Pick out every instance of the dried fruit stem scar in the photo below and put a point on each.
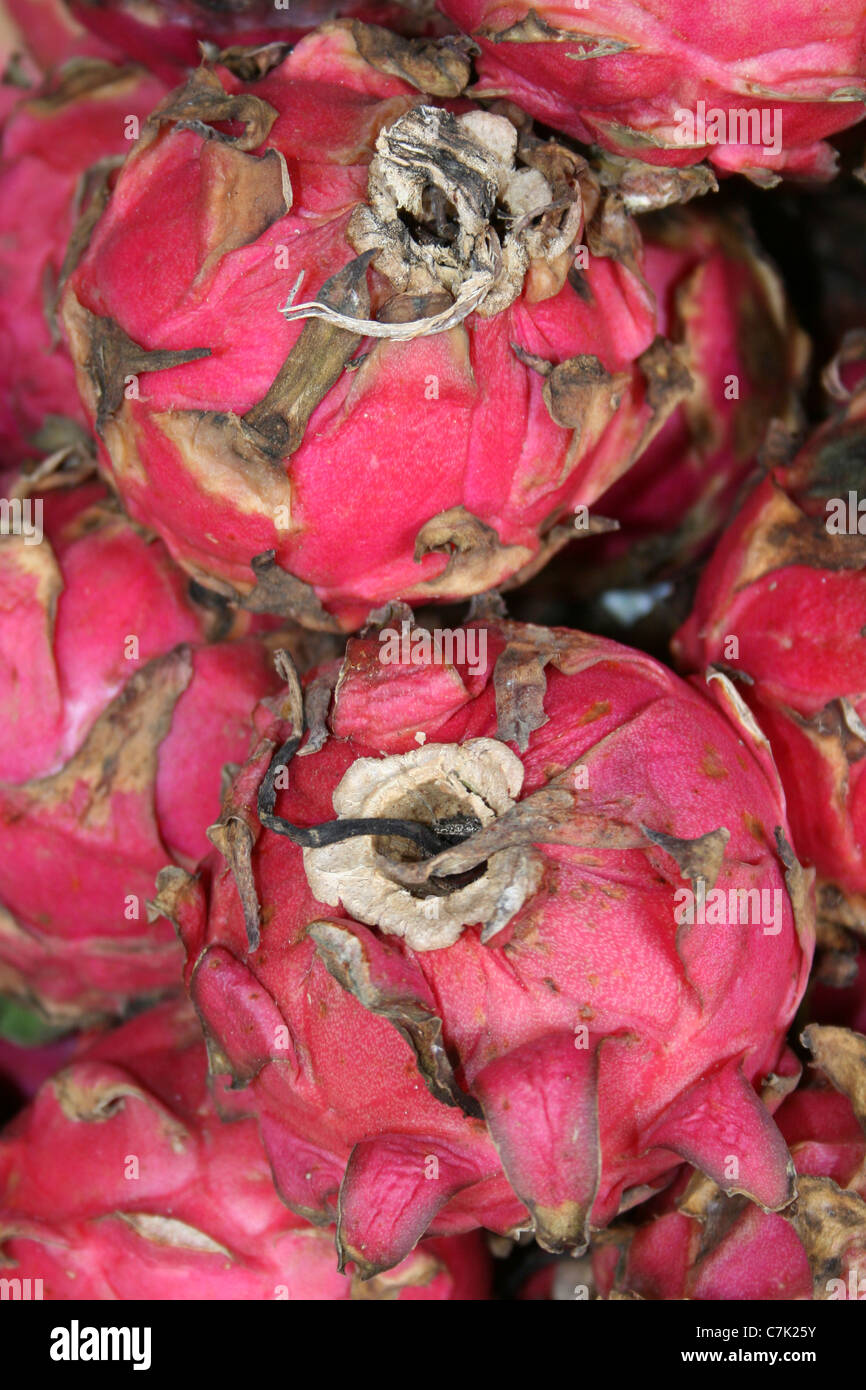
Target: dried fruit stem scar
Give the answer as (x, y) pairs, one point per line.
(423, 801)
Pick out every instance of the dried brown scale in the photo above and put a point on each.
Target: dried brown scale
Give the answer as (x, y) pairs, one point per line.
(438, 69)
(476, 559)
(826, 1219)
(114, 357)
(841, 1056)
(316, 361)
(203, 101)
(534, 29)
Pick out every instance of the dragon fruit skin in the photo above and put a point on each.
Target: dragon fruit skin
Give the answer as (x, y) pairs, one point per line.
(782, 605)
(483, 513)
(339, 1093)
(722, 300)
(762, 1255)
(47, 34)
(165, 35)
(49, 142)
(200, 1218)
(105, 772)
(633, 69)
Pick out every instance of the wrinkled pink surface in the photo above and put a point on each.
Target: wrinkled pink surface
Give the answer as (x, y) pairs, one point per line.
(65, 1185)
(785, 54)
(341, 1104)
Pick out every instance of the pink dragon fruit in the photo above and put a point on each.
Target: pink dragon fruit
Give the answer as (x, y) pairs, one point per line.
(198, 1218)
(477, 997)
(166, 35)
(756, 90)
(321, 470)
(699, 1244)
(782, 606)
(58, 150)
(118, 714)
(722, 303)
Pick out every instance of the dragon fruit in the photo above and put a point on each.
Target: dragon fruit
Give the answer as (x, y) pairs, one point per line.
(119, 710)
(782, 606)
(324, 469)
(492, 1007)
(755, 90)
(702, 1245)
(120, 1181)
(58, 151)
(722, 303)
(166, 35)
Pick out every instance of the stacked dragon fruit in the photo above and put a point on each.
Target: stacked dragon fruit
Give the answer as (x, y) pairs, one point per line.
(358, 950)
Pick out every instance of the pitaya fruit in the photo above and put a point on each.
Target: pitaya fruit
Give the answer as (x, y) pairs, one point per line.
(167, 35)
(118, 714)
(722, 302)
(120, 1181)
(59, 150)
(755, 90)
(699, 1244)
(514, 1032)
(781, 607)
(321, 470)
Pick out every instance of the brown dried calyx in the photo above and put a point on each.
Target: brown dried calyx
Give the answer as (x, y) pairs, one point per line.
(459, 786)
(457, 211)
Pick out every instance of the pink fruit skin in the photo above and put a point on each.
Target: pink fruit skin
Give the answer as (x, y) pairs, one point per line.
(81, 836)
(672, 54)
(47, 147)
(52, 35)
(676, 1038)
(797, 616)
(401, 453)
(72, 1216)
(165, 35)
(761, 1256)
(720, 298)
